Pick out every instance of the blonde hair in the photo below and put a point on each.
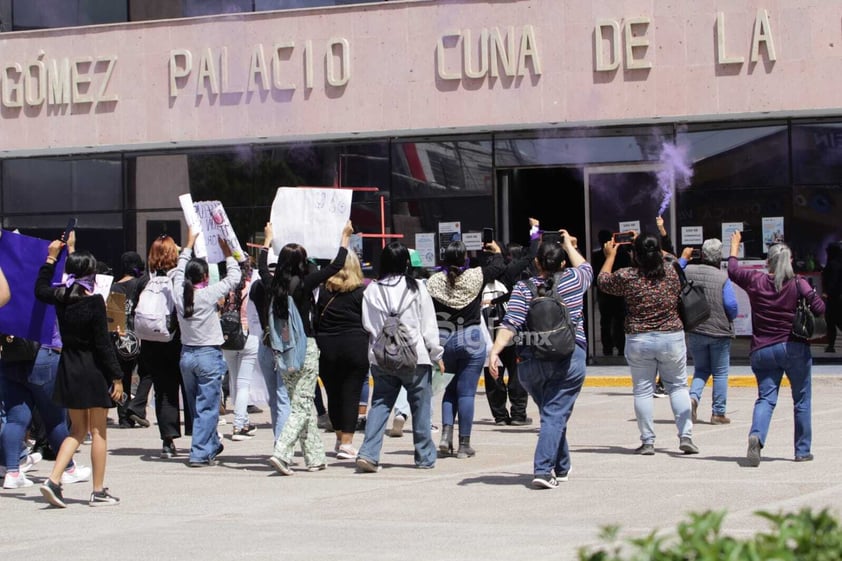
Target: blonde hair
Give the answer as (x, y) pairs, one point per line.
(349, 278)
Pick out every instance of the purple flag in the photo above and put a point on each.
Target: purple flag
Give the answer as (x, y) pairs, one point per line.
(20, 258)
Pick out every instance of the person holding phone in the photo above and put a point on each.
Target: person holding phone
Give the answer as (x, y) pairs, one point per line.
(89, 378)
(654, 336)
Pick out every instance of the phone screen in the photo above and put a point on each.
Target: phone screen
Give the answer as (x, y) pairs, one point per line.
(623, 237)
(487, 235)
(551, 237)
(71, 225)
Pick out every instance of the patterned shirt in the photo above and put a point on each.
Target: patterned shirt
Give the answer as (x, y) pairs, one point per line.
(571, 287)
(652, 304)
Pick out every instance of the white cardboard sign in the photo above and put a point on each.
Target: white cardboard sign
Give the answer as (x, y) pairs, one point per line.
(312, 217)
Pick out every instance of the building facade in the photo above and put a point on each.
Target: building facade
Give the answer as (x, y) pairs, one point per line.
(473, 111)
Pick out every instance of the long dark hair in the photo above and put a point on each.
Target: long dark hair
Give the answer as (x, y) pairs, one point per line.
(550, 257)
(292, 264)
(79, 264)
(454, 259)
(195, 272)
(648, 256)
(394, 260)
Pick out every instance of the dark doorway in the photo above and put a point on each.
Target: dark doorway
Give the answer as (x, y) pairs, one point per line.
(555, 196)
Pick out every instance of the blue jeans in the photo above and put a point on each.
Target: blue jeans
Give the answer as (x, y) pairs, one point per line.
(464, 355)
(648, 355)
(711, 356)
(419, 390)
(769, 365)
(202, 369)
(26, 385)
(279, 404)
(554, 386)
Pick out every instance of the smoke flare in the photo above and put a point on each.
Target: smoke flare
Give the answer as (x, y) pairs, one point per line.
(676, 170)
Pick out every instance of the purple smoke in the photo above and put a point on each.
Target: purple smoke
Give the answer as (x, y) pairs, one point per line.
(677, 170)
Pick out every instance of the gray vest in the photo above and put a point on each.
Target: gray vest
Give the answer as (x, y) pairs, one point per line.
(711, 280)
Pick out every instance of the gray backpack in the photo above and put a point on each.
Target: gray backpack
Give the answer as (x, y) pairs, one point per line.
(393, 349)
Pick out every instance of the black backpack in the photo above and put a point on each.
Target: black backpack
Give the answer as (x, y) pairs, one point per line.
(549, 331)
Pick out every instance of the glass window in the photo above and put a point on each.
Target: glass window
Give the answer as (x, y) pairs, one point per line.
(441, 169)
(817, 153)
(620, 145)
(213, 7)
(39, 14)
(100, 233)
(815, 222)
(49, 185)
(262, 5)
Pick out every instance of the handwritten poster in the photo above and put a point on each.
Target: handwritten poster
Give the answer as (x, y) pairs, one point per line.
(313, 218)
(215, 225)
(473, 241)
(728, 228)
(192, 219)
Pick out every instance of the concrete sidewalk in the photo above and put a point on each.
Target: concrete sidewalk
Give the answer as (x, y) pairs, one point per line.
(480, 508)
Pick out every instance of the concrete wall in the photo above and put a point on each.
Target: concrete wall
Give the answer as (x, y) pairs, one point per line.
(405, 71)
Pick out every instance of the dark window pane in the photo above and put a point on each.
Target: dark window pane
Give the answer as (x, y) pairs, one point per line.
(222, 176)
(436, 169)
(38, 14)
(817, 153)
(624, 146)
(101, 234)
(142, 10)
(744, 157)
(49, 185)
(213, 7)
(262, 5)
(815, 220)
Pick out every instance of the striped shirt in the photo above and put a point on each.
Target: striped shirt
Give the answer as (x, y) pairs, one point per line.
(571, 287)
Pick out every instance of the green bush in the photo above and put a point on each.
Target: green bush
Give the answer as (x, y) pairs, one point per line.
(802, 536)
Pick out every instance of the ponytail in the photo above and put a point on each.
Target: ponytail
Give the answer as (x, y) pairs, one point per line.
(188, 298)
(196, 272)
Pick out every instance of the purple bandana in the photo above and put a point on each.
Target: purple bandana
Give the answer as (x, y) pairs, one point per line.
(87, 282)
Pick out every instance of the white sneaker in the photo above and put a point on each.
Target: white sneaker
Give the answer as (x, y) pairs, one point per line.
(77, 474)
(346, 452)
(31, 460)
(16, 481)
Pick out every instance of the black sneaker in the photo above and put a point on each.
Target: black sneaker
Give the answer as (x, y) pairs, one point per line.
(253, 409)
(544, 481)
(360, 424)
(139, 420)
(52, 493)
(103, 498)
(526, 421)
(645, 450)
(168, 450)
(241, 434)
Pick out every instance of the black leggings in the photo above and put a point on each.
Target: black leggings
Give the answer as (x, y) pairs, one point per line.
(343, 368)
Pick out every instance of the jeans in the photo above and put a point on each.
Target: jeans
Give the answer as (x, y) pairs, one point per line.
(301, 425)
(711, 356)
(28, 385)
(665, 354)
(202, 369)
(419, 390)
(240, 371)
(769, 365)
(464, 355)
(554, 386)
(279, 405)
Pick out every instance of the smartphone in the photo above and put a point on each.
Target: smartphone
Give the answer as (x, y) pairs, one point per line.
(487, 235)
(623, 237)
(551, 237)
(71, 225)
(696, 253)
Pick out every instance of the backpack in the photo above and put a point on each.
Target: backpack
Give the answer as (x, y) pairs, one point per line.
(231, 322)
(152, 316)
(393, 348)
(550, 332)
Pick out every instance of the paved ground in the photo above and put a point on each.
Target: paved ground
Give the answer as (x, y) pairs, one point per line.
(480, 508)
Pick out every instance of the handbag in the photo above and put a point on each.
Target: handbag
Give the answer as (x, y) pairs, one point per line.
(805, 325)
(693, 307)
(18, 349)
(232, 331)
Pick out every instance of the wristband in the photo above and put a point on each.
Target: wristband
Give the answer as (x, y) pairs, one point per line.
(51, 260)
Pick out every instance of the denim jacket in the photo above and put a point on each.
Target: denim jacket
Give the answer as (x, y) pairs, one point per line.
(288, 339)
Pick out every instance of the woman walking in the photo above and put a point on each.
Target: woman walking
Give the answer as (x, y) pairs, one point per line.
(654, 335)
(202, 364)
(343, 350)
(296, 352)
(398, 293)
(88, 380)
(457, 295)
(775, 351)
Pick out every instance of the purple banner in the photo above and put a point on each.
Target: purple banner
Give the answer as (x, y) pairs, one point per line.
(20, 258)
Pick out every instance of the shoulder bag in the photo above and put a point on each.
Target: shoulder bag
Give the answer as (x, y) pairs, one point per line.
(693, 307)
(805, 325)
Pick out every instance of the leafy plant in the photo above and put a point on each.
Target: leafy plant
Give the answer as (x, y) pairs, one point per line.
(801, 536)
